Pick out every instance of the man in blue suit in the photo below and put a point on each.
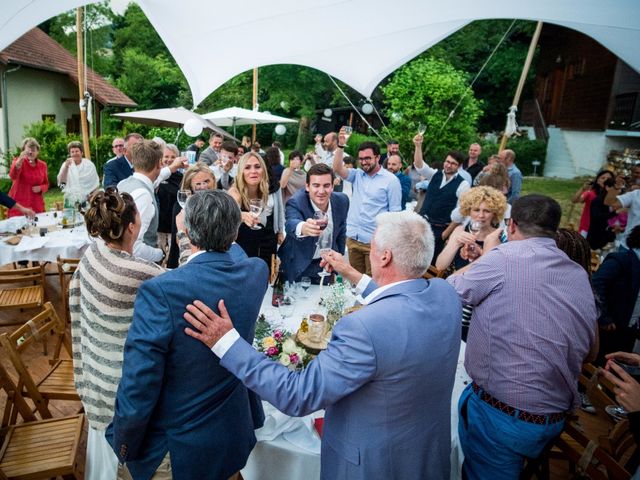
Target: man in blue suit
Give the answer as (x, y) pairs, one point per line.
(119, 167)
(387, 375)
(299, 253)
(176, 404)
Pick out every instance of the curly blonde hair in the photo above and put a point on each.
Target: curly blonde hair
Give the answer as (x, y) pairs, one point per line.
(241, 186)
(494, 199)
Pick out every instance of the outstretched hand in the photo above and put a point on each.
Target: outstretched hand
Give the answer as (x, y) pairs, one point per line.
(210, 327)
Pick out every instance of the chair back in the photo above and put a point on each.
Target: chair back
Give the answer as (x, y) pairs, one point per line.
(17, 342)
(15, 402)
(433, 272)
(31, 275)
(66, 268)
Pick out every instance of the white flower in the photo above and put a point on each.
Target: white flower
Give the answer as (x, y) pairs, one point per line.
(284, 359)
(289, 346)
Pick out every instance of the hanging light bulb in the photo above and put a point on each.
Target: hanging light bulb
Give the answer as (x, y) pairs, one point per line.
(367, 108)
(327, 112)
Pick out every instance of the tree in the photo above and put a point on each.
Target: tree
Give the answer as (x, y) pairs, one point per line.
(470, 47)
(98, 20)
(425, 91)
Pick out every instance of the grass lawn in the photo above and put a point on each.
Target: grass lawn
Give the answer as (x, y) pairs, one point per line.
(561, 190)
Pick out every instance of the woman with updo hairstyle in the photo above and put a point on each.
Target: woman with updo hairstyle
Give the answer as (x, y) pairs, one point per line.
(101, 296)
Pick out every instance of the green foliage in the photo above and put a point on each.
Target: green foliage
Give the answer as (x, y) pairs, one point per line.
(153, 82)
(425, 91)
(98, 34)
(526, 152)
(470, 47)
(355, 140)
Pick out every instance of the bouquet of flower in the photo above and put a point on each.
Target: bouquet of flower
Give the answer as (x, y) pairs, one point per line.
(280, 346)
(335, 302)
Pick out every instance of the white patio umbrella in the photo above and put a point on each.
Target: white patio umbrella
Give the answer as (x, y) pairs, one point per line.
(170, 117)
(360, 41)
(234, 116)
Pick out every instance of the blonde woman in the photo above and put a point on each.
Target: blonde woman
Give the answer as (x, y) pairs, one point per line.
(259, 234)
(197, 177)
(484, 207)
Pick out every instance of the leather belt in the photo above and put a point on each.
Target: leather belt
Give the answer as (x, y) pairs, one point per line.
(514, 412)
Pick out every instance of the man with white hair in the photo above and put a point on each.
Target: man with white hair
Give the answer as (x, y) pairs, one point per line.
(385, 379)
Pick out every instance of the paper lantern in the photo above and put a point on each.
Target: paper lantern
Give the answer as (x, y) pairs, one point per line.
(367, 108)
(281, 129)
(193, 127)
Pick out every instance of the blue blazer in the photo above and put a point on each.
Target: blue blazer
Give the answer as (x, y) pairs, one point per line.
(385, 381)
(6, 200)
(115, 170)
(174, 396)
(297, 253)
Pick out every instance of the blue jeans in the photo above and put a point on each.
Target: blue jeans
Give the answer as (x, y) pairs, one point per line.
(494, 443)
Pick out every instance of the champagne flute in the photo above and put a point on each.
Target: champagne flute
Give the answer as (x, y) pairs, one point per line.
(422, 128)
(324, 244)
(255, 209)
(347, 131)
(183, 196)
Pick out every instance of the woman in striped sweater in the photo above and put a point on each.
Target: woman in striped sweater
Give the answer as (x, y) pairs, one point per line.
(101, 297)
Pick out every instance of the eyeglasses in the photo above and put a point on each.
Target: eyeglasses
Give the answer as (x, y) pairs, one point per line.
(366, 159)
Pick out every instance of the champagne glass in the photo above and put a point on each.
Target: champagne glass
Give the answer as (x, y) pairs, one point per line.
(183, 196)
(305, 283)
(324, 244)
(255, 209)
(422, 128)
(347, 133)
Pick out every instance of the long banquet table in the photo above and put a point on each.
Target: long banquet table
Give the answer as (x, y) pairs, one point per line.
(290, 447)
(64, 242)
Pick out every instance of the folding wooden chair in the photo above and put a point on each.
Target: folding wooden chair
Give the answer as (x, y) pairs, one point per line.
(58, 382)
(36, 448)
(30, 294)
(595, 261)
(66, 268)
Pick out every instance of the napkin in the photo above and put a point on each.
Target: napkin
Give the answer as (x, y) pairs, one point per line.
(31, 243)
(12, 224)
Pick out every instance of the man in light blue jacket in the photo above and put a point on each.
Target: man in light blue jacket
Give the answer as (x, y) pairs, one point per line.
(387, 375)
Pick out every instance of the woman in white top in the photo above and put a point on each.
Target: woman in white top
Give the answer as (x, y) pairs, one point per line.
(259, 234)
(78, 177)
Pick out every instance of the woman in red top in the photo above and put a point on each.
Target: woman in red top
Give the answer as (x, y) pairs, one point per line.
(30, 179)
(586, 194)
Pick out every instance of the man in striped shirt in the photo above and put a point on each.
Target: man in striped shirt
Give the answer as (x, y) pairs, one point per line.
(534, 323)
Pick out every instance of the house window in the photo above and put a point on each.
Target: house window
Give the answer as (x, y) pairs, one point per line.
(48, 116)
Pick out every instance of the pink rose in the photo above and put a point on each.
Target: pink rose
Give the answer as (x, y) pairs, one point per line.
(277, 335)
(294, 358)
(272, 351)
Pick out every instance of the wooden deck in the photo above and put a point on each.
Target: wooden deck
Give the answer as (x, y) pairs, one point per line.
(38, 363)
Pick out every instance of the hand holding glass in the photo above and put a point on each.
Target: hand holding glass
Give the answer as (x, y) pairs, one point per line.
(421, 128)
(255, 209)
(347, 131)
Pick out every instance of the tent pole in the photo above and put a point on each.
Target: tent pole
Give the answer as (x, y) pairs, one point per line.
(523, 76)
(81, 86)
(255, 102)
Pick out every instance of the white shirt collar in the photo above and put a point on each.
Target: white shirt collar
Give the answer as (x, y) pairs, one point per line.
(194, 255)
(378, 291)
(144, 179)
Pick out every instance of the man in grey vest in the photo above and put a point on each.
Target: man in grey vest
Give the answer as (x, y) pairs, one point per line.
(445, 187)
(145, 157)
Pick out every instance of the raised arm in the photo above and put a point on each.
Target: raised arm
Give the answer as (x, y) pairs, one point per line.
(338, 164)
(421, 167)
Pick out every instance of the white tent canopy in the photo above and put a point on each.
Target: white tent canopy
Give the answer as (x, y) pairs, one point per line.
(358, 41)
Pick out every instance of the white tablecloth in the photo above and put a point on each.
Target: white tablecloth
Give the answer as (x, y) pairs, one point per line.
(290, 448)
(67, 242)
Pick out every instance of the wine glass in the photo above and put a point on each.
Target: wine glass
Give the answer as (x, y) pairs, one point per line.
(286, 306)
(305, 283)
(255, 209)
(183, 196)
(422, 128)
(347, 131)
(474, 227)
(321, 218)
(324, 244)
